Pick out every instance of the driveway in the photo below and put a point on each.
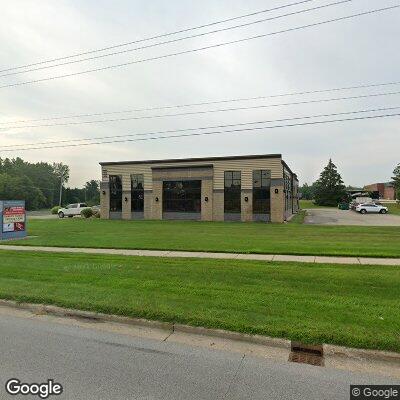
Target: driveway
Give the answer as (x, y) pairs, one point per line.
(327, 216)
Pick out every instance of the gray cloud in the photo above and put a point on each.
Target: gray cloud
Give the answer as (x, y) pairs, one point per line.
(345, 53)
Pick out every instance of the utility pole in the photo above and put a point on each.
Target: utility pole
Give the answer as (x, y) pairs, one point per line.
(61, 183)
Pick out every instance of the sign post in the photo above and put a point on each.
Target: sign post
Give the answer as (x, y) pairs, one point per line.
(12, 219)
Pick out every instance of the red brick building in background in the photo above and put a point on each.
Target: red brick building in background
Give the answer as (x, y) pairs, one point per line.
(384, 191)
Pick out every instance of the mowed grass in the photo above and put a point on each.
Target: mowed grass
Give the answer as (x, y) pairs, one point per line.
(350, 305)
(310, 204)
(394, 208)
(216, 236)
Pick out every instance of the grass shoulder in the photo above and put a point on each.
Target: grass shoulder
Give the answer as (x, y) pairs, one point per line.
(350, 305)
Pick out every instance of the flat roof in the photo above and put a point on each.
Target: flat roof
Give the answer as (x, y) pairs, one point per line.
(173, 160)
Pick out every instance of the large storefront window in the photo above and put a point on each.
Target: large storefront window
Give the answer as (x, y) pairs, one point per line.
(232, 191)
(261, 191)
(182, 196)
(115, 193)
(137, 193)
(288, 193)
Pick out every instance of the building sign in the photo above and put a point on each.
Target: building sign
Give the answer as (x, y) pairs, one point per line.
(12, 219)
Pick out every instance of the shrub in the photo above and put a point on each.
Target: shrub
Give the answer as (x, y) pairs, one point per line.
(96, 214)
(87, 212)
(55, 209)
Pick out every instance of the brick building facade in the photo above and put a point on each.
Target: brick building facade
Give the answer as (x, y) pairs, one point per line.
(243, 188)
(384, 191)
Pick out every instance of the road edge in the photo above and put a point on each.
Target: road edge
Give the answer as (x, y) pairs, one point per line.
(329, 351)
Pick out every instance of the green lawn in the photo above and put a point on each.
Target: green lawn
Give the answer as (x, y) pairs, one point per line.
(309, 204)
(250, 237)
(393, 208)
(298, 218)
(350, 305)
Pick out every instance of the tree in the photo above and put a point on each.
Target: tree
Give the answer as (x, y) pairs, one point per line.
(329, 188)
(396, 180)
(62, 172)
(21, 188)
(41, 174)
(92, 191)
(307, 191)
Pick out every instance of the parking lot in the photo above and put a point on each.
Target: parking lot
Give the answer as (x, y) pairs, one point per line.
(327, 216)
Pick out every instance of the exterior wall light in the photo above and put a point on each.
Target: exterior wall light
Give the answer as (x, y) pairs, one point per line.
(126, 199)
(156, 199)
(104, 192)
(276, 191)
(206, 198)
(246, 199)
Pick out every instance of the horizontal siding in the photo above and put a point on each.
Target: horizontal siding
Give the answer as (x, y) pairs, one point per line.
(246, 166)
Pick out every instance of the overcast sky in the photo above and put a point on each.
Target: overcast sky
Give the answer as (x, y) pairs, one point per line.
(357, 51)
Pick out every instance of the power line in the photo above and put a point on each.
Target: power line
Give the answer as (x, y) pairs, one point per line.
(202, 128)
(204, 111)
(364, 86)
(158, 36)
(207, 133)
(177, 39)
(200, 48)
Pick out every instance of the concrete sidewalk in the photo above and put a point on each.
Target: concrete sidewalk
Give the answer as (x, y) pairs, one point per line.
(192, 254)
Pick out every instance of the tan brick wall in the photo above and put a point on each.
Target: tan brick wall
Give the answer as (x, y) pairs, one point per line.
(148, 202)
(207, 206)
(247, 206)
(156, 211)
(126, 205)
(104, 201)
(218, 205)
(277, 204)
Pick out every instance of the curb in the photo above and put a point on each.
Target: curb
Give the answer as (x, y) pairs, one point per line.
(361, 354)
(88, 315)
(329, 351)
(243, 337)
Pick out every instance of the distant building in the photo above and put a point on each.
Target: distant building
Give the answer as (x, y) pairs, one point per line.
(384, 191)
(244, 188)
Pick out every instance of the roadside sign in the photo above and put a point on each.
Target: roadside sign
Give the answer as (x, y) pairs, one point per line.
(12, 219)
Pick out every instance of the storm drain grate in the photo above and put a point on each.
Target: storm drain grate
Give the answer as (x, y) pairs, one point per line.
(307, 354)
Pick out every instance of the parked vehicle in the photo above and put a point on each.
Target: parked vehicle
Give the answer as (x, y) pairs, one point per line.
(96, 208)
(71, 210)
(371, 208)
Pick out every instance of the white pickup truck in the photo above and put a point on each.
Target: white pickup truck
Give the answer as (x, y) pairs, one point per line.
(71, 210)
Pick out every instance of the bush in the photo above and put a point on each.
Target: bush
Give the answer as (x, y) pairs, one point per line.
(87, 212)
(96, 214)
(55, 209)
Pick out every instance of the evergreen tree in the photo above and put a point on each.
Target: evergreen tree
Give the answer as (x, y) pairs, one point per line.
(329, 188)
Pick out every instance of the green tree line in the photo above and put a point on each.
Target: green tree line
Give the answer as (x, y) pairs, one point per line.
(40, 184)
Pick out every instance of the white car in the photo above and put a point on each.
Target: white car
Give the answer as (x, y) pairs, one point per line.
(371, 208)
(71, 210)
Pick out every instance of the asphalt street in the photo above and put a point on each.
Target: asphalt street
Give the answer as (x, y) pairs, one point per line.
(92, 363)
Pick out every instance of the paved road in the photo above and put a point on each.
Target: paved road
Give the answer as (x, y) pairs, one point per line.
(41, 214)
(327, 216)
(92, 363)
